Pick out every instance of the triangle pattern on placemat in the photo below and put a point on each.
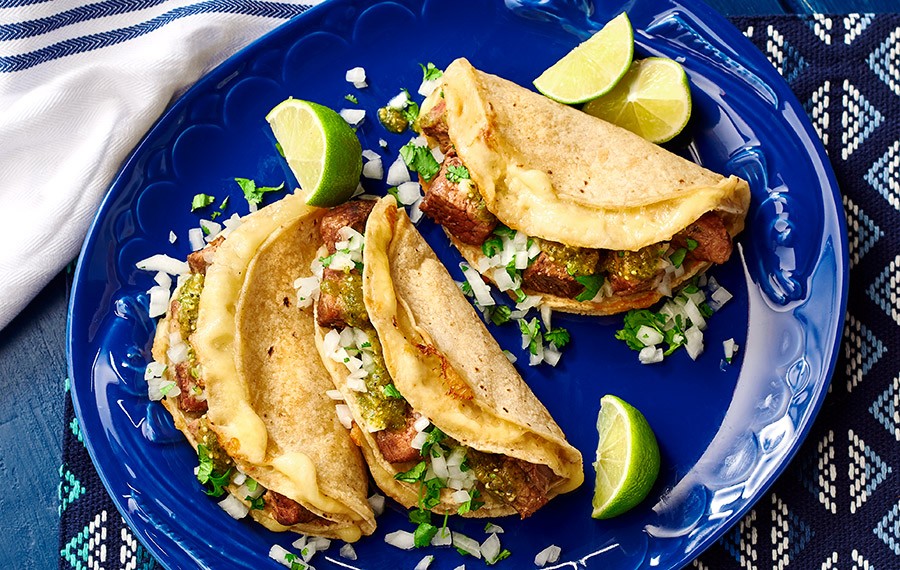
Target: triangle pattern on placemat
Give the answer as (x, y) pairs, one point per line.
(819, 473)
(862, 232)
(885, 290)
(858, 119)
(821, 26)
(787, 60)
(75, 428)
(888, 529)
(830, 563)
(855, 25)
(816, 108)
(740, 542)
(886, 408)
(87, 549)
(883, 174)
(70, 488)
(862, 350)
(132, 555)
(885, 61)
(867, 471)
(859, 562)
(790, 534)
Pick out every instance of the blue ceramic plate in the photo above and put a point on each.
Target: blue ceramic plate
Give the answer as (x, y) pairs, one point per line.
(725, 432)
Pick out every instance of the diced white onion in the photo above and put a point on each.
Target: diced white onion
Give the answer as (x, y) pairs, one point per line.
(343, 413)
(164, 263)
(493, 528)
(307, 290)
(370, 154)
(424, 563)
(460, 496)
(479, 288)
(239, 478)
(421, 423)
(212, 229)
(530, 302)
(427, 87)
(279, 554)
(376, 501)
(401, 539)
(347, 551)
(650, 355)
(721, 296)
(382, 143)
(415, 213)
(442, 537)
(353, 116)
(503, 280)
(177, 353)
(195, 239)
(649, 336)
(320, 542)
(535, 359)
(730, 348)
(154, 369)
(398, 173)
(470, 545)
(693, 313)
(172, 236)
(163, 280)
(356, 384)
(437, 154)
(490, 548)
(549, 554)
(399, 101)
(408, 193)
(159, 301)
(693, 342)
(419, 440)
(334, 395)
(546, 313)
(373, 169)
(510, 356)
(551, 355)
(356, 76)
(234, 507)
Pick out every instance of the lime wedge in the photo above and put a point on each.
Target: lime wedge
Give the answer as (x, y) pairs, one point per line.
(627, 458)
(593, 67)
(321, 149)
(653, 100)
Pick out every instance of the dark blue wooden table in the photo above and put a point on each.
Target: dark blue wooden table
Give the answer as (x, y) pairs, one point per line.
(33, 371)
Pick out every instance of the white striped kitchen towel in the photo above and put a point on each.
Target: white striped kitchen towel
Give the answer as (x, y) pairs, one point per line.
(80, 83)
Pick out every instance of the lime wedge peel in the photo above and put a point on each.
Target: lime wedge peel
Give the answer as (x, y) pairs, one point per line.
(321, 149)
(653, 100)
(627, 458)
(593, 68)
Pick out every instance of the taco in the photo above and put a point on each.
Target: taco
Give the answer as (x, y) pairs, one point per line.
(589, 216)
(444, 420)
(245, 390)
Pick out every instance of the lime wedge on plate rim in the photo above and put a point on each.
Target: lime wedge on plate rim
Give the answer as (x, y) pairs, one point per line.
(593, 67)
(320, 147)
(653, 100)
(627, 458)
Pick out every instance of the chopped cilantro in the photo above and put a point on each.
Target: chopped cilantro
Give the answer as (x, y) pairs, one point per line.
(559, 337)
(532, 330)
(705, 310)
(467, 289)
(432, 495)
(352, 98)
(166, 388)
(592, 284)
(430, 72)
(411, 112)
(251, 484)
(456, 174)
(420, 159)
(423, 534)
(691, 244)
(215, 215)
(201, 201)
(419, 516)
(636, 318)
(472, 504)
(219, 482)
(224, 203)
(206, 465)
(677, 257)
(504, 554)
(254, 193)
(391, 391)
(256, 504)
(500, 314)
(504, 231)
(393, 191)
(435, 436)
(205, 230)
(414, 474)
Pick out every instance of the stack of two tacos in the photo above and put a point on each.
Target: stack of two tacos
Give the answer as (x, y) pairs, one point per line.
(431, 402)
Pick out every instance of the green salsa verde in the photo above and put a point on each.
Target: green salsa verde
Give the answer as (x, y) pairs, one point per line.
(578, 260)
(379, 410)
(189, 304)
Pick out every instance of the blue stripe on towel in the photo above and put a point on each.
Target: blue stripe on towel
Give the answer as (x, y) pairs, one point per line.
(19, 30)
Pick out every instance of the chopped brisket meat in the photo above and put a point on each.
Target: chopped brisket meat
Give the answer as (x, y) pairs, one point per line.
(433, 124)
(545, 275)
(186, 382)
(287, 511)
(520, 484)
(201, 259)
(458, 206)
(395, 444)
(713, 243)
(353, 214)
(634, 271)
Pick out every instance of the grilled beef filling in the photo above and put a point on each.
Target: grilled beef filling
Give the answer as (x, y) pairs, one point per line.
(520, 484)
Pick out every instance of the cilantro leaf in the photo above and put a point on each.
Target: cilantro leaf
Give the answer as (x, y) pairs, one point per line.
(456, 174)
(432, 495)
(411, 112)
(414, 474)
(467, 289)
(592, 284)
(558, 336)
(500, 314)
(423, 534)
(254, 193)
(391, 391)
(201, 201)
(256, 504)
(224, 203)
(420, 516)
(215, 215)
(352, 98)
(691, 244)
(420, 159)
(472, 504)
(430, 72)
(206, 465)
(219, 482)
(677, 257)
(251, 484)
(633, 321)
(504, 231)
(435, 436)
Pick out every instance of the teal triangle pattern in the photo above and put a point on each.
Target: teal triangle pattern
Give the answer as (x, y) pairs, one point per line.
(787, 60)
(884, 173)
(131, 550)
(886, 408)
(862, 232)
(867, 471)
(888, 529)
(821, 26)
(819, 473)
(87, 549)
(816, 108)
(885, 61)
(862, 350)
(855, 25)
(740, 542)
(790, 534)
(75, 428)
(885, 290)
(859, 119)
(70, 489)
